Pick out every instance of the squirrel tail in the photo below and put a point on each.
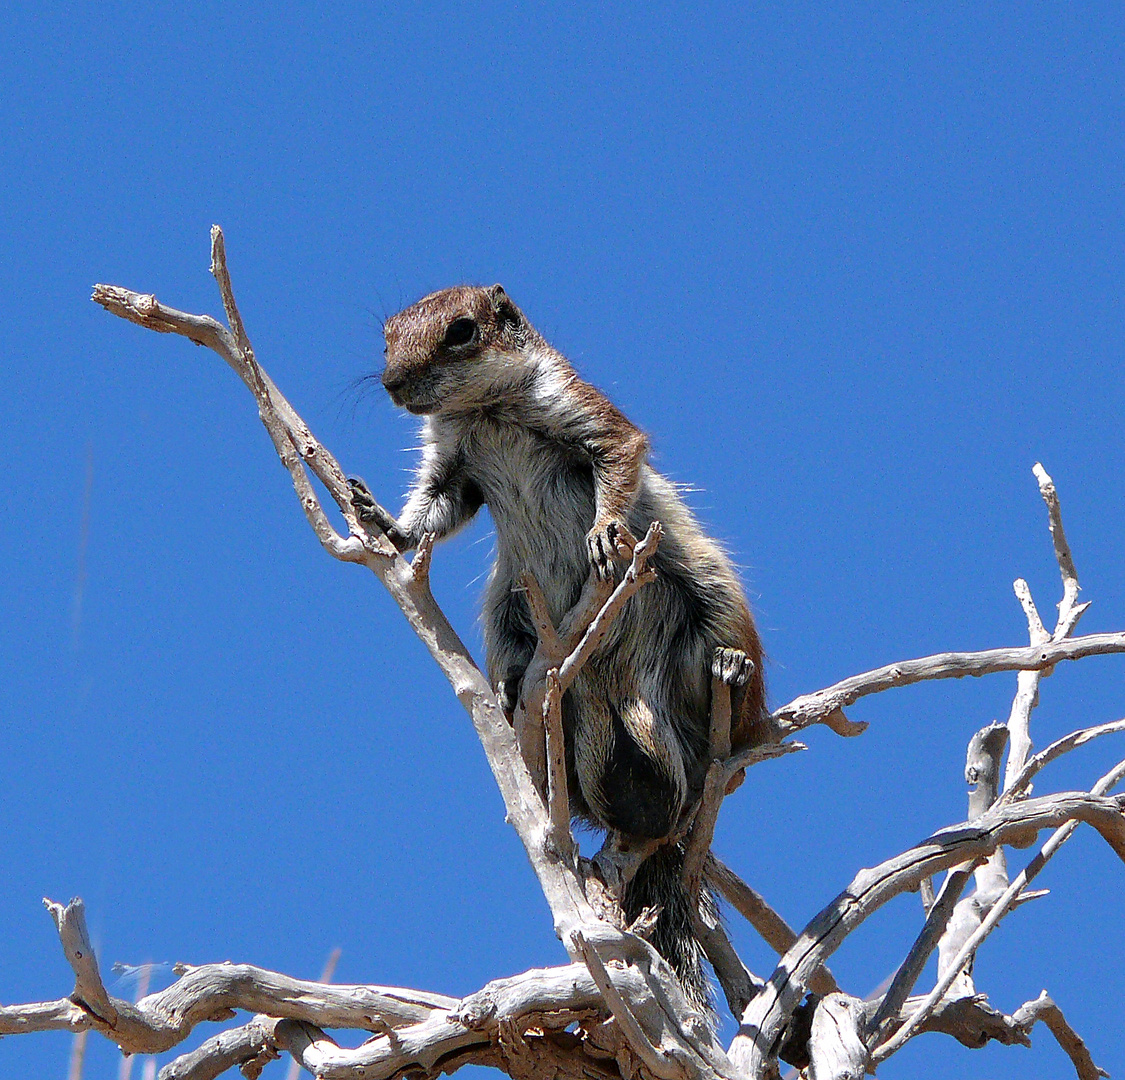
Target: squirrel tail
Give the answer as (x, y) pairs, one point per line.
(659, 883)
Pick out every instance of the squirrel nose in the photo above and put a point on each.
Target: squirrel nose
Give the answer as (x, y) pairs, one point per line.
(393, 381)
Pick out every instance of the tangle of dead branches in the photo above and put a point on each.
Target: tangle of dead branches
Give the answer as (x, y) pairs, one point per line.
(616, 1009)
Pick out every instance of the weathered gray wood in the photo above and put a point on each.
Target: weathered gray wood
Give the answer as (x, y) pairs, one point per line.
(224, 1051)
(982, 773)
(89, 992)
(655, 1017)
(558, 802)
(738, 983)
(659, 1060)
(911, 968)
(774, 930)
(768, 1013)
(1063, 831)
(1043, 1008)
(813, 708)
(836, 1049)
(1056, 750)
(62, 1015)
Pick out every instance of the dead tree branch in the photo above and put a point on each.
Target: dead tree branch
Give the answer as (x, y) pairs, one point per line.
(523, 792)
(815, 708)
(770, 1011)
(1062, 833)
(617, 1010)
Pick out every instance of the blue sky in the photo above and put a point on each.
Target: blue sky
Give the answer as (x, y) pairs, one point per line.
(854, 268)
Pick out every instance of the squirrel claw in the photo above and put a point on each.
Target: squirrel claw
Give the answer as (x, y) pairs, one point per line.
(362, 499)
(732, 666)
(607, 543)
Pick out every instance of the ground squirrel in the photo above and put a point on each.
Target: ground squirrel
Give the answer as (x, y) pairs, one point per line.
(509, 424)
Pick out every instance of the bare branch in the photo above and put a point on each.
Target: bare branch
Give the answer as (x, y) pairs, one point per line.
(583, 629)
(982, 767)
(738, 983)
(969, 1020)
(702, 831)
(1019, 720)
(637, 575)
(775, 931)
(973, 1023)
(998, 910)
(541, 616)
(1062, 552)
(661, 1064)
(224, 1051)
(1027, 688)
(814, 708)
(558, 803)
(423, 557)
(768, 1013)
(1035, 628)
(720, 719)
(911, 968)
(326, 974)
(160, 1021)
(1043, 1008)
(836, 1045)
(982, 772)
(89, 991)
(62, 1015)
(291, 438)
(1056, 750)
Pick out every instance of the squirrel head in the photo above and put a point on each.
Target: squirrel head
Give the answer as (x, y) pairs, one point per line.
(454, 349)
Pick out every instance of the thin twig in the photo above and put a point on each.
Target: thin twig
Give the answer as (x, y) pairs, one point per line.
(557, 802)
(703, 830)
(997, 912)
(738, 983)
(636, 575)
(812, 708)
(423, 558)
(540, 614)
(774, 930)
(1062, 550)
(720, 719)
(1035, 627)
(1027, 687)
(1043, 1008)
(911, 968)
(1056, 750)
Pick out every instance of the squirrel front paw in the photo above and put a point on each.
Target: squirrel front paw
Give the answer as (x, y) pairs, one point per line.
(609, 542)
(732, 666)
(362, 500)
(371, 513)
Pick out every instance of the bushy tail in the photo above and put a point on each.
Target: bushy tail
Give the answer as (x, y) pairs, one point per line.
(659, 883)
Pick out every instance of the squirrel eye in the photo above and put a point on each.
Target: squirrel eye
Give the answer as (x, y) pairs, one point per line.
(461, 332)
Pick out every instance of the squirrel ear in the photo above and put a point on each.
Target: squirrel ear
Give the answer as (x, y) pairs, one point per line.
(506, 311)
